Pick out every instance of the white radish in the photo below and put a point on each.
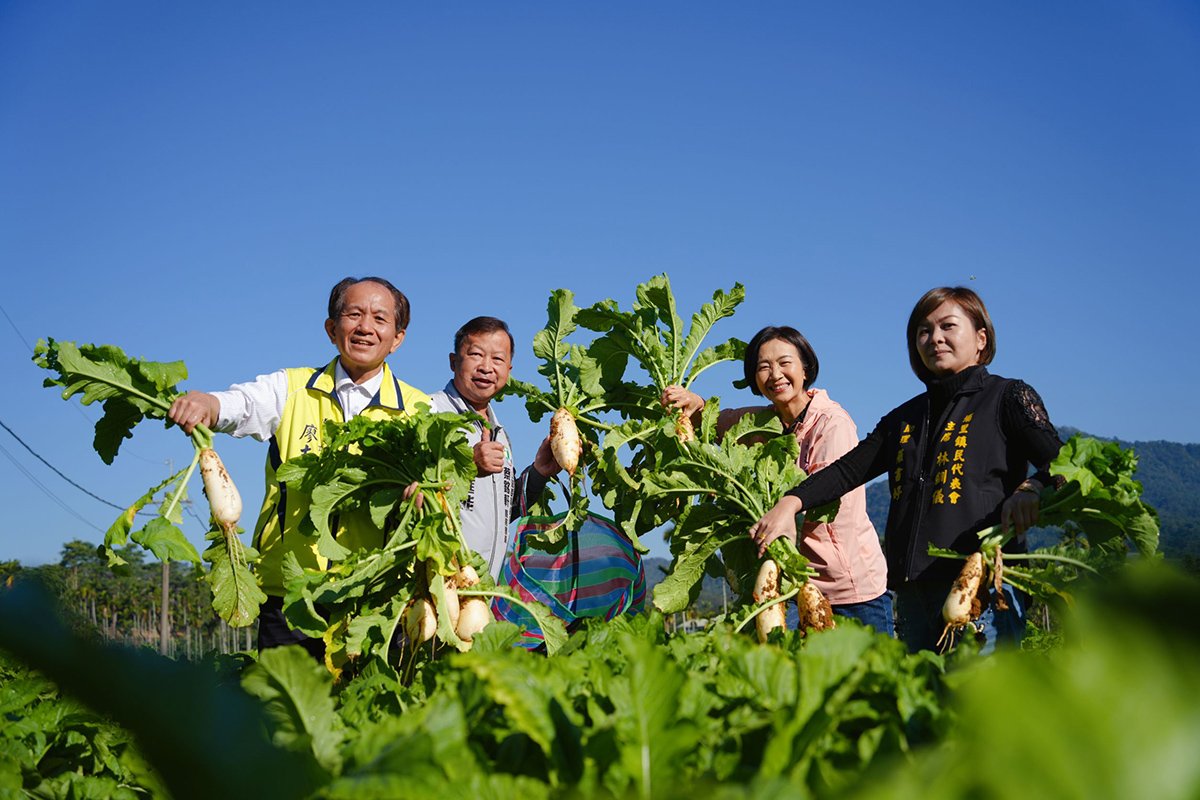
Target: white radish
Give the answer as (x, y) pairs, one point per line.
(766, 588)
(223, 498)
(565, 443)
(998, 580)
(476, 614)
(766, 585)
(768, 620)
(466, 577)
(957, 610)
(815, 612)
(453, 608)
(962, 605)
(420, 623)
(685, 431)
(450, 607)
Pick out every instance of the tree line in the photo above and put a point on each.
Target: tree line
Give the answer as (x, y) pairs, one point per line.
(126, 605)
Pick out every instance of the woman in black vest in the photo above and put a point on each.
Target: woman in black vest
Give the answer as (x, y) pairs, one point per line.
(956, 456)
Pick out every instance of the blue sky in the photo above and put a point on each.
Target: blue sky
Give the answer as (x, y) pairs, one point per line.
(187, 182)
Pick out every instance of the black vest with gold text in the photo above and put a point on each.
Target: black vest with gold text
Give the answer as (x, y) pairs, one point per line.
(948, 478)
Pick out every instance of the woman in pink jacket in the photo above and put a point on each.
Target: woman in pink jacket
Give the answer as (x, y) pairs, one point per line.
(852, 573)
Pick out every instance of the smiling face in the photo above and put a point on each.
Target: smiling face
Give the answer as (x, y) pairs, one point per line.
(780, 376)
(365, 331)
(948, 341)
(482, 366)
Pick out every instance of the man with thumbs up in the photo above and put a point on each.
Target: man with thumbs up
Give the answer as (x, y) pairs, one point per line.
(481, 363)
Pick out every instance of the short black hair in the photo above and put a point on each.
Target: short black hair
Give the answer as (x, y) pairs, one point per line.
(808, 356)
(483, 325)
(337, 298)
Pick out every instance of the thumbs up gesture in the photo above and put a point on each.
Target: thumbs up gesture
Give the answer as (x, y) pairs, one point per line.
(489, 455)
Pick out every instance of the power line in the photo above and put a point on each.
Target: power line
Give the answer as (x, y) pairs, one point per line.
(93, 495)
(195, 516)
(186, 505)
(48, 493)
(56, 471)
(20, 335)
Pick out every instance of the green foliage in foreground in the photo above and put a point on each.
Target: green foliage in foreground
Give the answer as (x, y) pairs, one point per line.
(627, 711)
(54, 746)
(631, 712)
(203, 736)
(1114, 713)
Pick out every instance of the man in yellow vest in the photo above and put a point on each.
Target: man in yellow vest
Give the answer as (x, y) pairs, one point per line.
(366, 323)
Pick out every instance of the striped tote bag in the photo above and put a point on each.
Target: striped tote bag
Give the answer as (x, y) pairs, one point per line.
(597, 573)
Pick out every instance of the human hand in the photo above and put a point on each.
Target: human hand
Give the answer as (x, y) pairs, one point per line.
(195, 408)
(675, 396)
(779, 521)
(1020, 511)
(544, 461)
(489, 455)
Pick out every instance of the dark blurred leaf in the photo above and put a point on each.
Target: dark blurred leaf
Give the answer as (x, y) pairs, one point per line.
(205, 739)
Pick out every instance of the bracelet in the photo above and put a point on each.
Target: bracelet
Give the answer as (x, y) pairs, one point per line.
(1029, 485)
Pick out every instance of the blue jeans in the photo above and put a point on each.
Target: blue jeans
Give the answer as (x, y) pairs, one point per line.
(875, 613)
(920, 624)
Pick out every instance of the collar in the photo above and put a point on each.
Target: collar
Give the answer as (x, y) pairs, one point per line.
(942, 390)
(463, 407)
(957, 381)
(818, 406)
(343, 382)
(384, 388)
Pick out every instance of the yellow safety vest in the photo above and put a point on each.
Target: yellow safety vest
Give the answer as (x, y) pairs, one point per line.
(310, 403)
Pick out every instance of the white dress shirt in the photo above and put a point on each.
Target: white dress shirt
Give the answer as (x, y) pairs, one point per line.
(255, 408)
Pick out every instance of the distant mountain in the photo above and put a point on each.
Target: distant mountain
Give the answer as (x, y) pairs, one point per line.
(1170, 476)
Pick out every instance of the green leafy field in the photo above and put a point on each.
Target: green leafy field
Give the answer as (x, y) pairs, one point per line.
(625, 710)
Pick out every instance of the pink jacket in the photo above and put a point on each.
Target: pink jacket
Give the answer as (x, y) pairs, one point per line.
(846, 552)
